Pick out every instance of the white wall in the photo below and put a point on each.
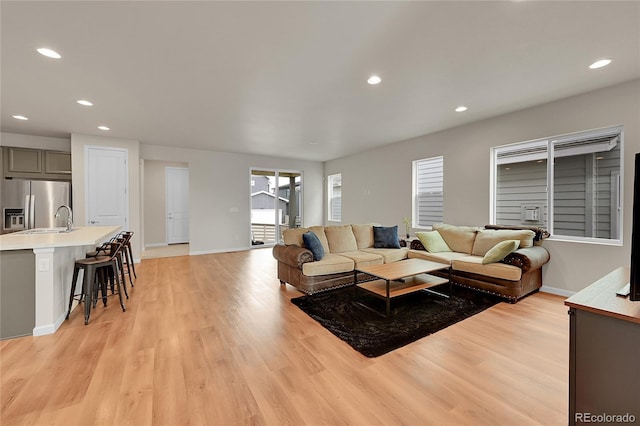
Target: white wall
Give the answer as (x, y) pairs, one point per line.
(376, 184)
(37, 142)
(78, 143)
(219, 193)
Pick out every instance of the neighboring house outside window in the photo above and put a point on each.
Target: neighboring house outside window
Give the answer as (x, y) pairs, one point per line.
(570, 185)
(335, 197)
(428, 192)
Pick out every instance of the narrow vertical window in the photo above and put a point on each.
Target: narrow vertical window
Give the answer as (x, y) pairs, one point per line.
(335, 197)
(428, 192)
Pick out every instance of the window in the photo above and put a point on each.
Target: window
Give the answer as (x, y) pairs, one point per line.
(570, 185)
(335, 197)
(428, 192)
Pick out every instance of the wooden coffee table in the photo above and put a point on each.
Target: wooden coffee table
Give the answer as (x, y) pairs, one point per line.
(398, 278)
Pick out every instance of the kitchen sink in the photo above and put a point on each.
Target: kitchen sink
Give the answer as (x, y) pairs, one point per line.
(59, 230)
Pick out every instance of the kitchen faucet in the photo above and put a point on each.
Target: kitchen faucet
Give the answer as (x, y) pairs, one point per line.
(69, 215)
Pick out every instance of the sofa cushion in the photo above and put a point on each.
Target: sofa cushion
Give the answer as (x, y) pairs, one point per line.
(363, 258)
(389, 254)
(340, 238)
(488, 238)
(312, 242)
(319, 231)
(443, 257)
(458, 238)
(473, 264)
(386, 237)
(293, 236)
(432, 241)
(364, 235)
(330, 264)
(500, 251)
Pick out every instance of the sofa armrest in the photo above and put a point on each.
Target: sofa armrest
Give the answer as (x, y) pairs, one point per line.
(417, 245)
(292, 255)
(528, 259)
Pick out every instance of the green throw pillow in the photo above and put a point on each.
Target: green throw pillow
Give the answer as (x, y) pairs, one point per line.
(433, 241)
(500, 251)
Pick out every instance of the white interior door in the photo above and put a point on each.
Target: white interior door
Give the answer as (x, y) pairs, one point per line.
(106, 183)
(177, 184)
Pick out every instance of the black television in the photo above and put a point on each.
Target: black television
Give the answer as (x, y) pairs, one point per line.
(634, 277)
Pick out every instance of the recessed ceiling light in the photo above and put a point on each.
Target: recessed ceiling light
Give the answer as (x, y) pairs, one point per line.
(49, 53)
(84, 102)
(105, 128)
(461, 108)
(20, 117)
(599, 64)
(374, 79)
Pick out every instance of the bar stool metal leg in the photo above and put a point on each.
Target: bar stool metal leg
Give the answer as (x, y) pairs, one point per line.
(133, 263)
(89, 279)
(73, 289)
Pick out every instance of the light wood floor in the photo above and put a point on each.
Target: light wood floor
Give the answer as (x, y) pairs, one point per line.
(170, 250)
(214, 340)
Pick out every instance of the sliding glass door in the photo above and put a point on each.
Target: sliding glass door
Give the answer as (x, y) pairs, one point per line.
(276, 204)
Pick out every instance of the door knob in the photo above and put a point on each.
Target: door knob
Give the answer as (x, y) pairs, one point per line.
(92, 221)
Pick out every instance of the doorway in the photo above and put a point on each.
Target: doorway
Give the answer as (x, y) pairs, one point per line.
(276, 204)
(177, 204)
(154, 209)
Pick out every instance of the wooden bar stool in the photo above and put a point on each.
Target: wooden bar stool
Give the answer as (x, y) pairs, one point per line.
(96, 270)
(105, 250)
(127, 254)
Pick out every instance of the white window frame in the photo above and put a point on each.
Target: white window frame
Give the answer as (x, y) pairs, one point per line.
(550, 144)
(330, 192)
(437, 160)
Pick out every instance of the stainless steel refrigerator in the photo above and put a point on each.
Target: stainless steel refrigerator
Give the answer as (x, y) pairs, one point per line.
(28, 204)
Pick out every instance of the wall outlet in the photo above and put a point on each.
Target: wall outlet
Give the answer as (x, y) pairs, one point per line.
(43, 265)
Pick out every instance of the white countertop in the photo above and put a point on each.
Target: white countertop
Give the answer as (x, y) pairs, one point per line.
(79, 236)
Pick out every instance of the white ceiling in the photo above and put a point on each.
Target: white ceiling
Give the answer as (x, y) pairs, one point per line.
(289, 78)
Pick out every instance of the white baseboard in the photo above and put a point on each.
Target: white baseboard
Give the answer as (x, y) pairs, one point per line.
(43, 330)
(557, 291)
(155, 245)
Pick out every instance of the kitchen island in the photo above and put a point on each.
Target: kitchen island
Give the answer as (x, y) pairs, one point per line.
(39, 267)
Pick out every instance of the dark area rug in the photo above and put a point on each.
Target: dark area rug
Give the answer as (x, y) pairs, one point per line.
(413, 316)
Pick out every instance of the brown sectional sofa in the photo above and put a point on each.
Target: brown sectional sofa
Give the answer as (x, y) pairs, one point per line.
(513, 277)
(349, 246)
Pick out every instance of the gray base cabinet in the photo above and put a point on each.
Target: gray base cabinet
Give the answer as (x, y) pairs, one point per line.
(17, 293)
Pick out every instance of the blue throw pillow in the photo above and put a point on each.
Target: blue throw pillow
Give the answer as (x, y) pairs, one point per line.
(386, 237)
(312, 242)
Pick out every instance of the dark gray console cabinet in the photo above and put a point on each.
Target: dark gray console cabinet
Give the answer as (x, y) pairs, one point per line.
(604, 354)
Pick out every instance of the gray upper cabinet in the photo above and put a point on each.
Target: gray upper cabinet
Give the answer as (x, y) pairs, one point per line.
(23, 160)
(57, 162)
(30, 163)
